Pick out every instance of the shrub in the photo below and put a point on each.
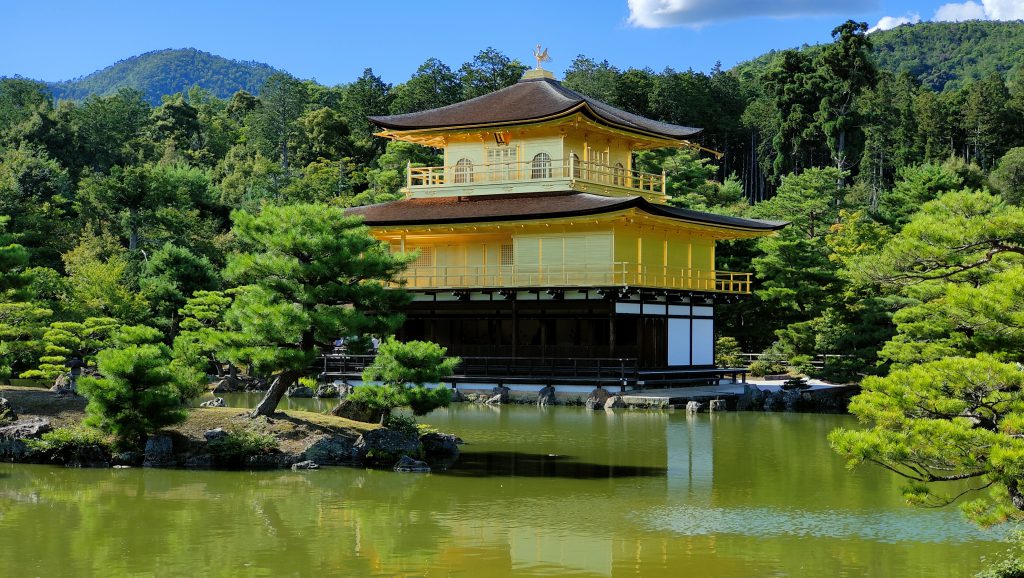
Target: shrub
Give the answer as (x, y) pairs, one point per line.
(240, 444)
(405, 368)
(801, 364)
(795, 383)
(402, 423)
(137, 396)
(70, 444)
(309, 382)
(727, 352)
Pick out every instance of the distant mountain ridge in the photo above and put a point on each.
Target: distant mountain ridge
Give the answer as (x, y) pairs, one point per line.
(163, 72)
(941, 55)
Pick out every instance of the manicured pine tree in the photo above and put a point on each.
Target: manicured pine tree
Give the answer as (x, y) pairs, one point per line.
(314, 275)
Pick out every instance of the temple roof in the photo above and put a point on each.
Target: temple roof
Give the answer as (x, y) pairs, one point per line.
(529, 100)
(521, 207)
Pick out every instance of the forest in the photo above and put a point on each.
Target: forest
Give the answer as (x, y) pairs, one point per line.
(124, 208)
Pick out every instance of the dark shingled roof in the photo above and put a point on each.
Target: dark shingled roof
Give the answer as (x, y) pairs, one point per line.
(525, 101)
(532, 206)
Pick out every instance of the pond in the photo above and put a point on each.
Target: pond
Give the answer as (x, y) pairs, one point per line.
(550, 491)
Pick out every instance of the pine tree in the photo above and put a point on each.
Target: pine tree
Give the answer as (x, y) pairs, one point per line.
(315, 275)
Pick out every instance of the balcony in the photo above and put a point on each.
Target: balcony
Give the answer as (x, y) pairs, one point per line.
(573, 276)
(512, 176)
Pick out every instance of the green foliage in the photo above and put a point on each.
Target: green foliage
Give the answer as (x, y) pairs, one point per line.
(954, 421)
(66, 338)
(727, 352)
(138, 394)
(70, 444)
(1008, 176)
(241, 444)
(404, 369)
(166, 72)
(402, 423)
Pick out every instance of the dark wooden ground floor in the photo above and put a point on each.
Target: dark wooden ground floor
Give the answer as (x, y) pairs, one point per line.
(654, 334)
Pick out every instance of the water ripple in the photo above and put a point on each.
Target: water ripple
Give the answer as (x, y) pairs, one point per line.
(888, 527)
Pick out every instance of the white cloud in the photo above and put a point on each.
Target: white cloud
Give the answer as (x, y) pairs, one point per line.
(959, 12)
(987, 10)
(889, 22)
(697, 13)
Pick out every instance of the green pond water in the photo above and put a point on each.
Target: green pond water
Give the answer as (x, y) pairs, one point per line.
(556, 491)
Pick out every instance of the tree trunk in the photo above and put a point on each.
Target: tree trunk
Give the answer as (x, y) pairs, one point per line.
(278, 387)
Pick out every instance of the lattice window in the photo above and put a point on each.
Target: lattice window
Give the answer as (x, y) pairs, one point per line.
(540, 167)
(507, 256)
(464, 171)
(425, 258)
(501, 163)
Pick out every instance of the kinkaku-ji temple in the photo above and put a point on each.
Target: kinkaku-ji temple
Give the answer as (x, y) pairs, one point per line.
(544, 257)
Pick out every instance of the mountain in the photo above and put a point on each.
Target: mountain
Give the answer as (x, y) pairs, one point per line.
(166, 72)
(941, 55)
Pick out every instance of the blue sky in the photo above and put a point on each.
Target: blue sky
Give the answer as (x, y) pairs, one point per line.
(333, 41)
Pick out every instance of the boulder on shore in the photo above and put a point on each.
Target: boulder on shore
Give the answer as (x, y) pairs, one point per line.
(306, 465)
(357, 411)
(441, 444)
(546, 396)
(30, 427)
(7, 414)
(499, 395)
(159, 452)
(331, 450)
(327, 391)
(300, 391)
(407, 464)
(215, 402)
(597, 398)
(614, 402)
(385, 445)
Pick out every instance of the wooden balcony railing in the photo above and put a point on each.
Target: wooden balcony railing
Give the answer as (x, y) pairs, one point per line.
(565, 276)
(525, 171)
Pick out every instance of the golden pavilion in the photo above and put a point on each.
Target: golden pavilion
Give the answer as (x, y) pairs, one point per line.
(543, 251)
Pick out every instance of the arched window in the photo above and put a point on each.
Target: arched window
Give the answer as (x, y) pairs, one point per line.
(577, 170)
(464, 171)
(540, 167)
(619, 174)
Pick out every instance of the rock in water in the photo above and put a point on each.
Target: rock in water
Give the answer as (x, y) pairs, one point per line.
(384, 445)
(546, 396)
(597, 398)
(159, 452)
(614, 402)
(693, 406)
(215, 402)
(407, 464)
(7, 414)
(441, 444)
(301, 391)
(306, 465)
(327, 391)
(494, 400)
(331, 450)
(717, 405)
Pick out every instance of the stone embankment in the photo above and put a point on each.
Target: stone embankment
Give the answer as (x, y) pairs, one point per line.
(216, 438)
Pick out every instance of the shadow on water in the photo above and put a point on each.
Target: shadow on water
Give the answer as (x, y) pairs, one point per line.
(513, 464)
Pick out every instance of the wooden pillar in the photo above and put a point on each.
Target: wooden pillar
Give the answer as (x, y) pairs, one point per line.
(515, 326)
(611, 332)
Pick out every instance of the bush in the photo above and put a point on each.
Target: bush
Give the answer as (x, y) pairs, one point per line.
(795, 383)
(727, 352)
(238, 445)
(309, 382)
(801, 364)
(402, 423)
(70, 444)
(405, 368)
(137, 396)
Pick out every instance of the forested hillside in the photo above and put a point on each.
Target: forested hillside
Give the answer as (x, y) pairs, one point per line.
(166, 72)
(125, 208)
(939, 55)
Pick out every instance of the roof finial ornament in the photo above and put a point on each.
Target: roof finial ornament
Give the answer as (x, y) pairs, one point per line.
(541, 56)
